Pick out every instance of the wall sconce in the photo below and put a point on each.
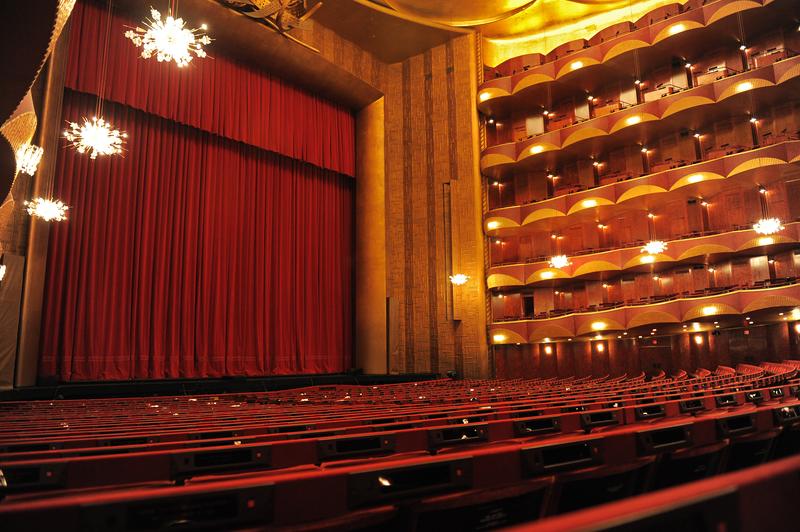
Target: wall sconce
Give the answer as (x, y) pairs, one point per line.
(459, 279)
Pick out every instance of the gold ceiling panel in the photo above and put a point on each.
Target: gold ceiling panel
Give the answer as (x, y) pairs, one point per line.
(460, 12)
(549, 23)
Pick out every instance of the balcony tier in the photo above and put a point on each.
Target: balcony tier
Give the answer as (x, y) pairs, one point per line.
(582, 66)
(675, 315)
(761, 165)
(691, 109)
(606, 265)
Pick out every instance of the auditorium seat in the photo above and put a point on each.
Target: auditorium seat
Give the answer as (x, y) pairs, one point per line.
(687, 465)
(580, 489)
(481, 509)
(748, 451)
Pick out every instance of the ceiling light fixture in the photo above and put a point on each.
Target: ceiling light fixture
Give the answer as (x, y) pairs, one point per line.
(49, 210)
(767, 226)
(654, 247)
(559, 261)
(170, 39)
(28, 157)
(95, 136)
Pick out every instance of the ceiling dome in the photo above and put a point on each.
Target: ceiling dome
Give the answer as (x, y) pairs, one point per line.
(460, 12)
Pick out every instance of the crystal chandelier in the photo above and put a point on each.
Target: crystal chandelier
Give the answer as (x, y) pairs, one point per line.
(169, 39)
(95, 136)
(47, 209)
(28, 157)
(459, 278)
(767, 226)
(559, 261)
(654, 247)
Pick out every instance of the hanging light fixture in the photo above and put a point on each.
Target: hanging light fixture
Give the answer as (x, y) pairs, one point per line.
(49, 210)
(654, 247)
(767, 226)
(169, 39)
(95, 136)
(459, 279)
(28, 157)
(559, 261)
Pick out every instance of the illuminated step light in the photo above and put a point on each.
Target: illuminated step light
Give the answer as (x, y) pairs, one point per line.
(559, 261)
(767, 226)
(459, 279)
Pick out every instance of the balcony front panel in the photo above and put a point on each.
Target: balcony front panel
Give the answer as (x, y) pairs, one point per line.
(760, 165)
(607, 264)
(681, 314)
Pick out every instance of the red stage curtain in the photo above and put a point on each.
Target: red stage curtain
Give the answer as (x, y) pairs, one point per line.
(195, 256)
(214, 94)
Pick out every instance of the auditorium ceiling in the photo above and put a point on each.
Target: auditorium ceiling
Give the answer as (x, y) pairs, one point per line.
(396, 29)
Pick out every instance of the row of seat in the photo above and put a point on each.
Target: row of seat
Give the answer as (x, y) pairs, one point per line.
(414, 456)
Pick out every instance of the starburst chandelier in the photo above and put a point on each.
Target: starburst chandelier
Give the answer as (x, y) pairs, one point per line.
(49, 210)
(459, 279)
(767, 226)
(654, 247)
(95, 136)
(28, 157)
(169, 39)
(559, 261)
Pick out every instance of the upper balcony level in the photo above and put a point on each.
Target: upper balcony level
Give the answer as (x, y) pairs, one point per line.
(734, 306)
(626, 50)
(692, 109)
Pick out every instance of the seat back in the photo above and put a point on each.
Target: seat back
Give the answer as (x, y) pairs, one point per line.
(593, 486)
(688, 465)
